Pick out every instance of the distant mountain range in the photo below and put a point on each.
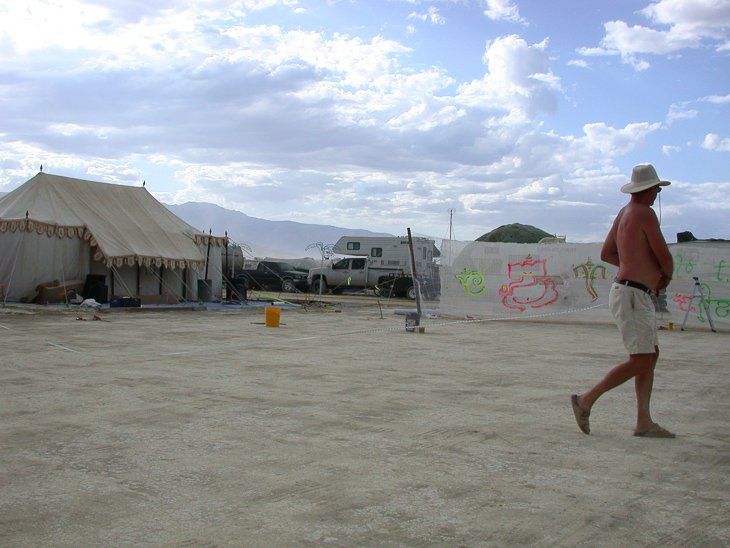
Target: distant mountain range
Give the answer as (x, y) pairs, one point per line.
(276, 239)
(279, 239)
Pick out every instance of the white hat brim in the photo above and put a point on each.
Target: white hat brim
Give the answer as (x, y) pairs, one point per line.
(633, 188)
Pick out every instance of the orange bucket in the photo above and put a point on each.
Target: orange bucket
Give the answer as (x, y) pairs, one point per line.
(272, 316)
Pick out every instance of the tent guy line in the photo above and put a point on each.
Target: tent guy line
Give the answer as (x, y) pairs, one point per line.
(62, 347)
(239, 346)
(382, 329)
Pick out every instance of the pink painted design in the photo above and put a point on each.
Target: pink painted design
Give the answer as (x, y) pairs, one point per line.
(531, 287)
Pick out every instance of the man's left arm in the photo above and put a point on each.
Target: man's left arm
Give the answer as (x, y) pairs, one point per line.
(661, 251)
(609, 251)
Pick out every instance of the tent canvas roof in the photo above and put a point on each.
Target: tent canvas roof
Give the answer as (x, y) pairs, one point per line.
(125, 222)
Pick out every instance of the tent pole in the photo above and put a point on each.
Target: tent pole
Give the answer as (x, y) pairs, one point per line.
(207, 257)
(184, 279)
(111, 275)
(225, 275)
(416, 282)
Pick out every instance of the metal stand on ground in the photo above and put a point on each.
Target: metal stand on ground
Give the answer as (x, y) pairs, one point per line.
(698, 293)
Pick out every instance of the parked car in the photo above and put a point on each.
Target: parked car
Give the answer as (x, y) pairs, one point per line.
(274, 274)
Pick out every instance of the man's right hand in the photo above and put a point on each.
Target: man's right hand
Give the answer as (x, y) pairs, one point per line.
(663, 281)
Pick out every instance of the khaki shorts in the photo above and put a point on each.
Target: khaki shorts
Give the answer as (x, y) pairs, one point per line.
(633, 310)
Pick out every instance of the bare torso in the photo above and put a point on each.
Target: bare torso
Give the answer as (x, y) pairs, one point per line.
(635, 244)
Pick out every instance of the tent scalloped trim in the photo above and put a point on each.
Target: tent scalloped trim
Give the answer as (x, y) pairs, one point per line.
(50, 230)
(132, 260)
(27, 225)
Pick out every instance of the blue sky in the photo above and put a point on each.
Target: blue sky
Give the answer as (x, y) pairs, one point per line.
(379, 114)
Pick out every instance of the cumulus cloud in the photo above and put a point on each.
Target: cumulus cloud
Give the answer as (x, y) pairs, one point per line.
(691, 23)
(613, 142)
(519, 79)
(714, 142)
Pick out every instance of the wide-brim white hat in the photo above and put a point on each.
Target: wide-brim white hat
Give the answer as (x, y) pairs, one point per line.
(643, 177)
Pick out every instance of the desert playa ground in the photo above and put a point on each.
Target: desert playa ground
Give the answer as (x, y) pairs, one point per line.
(188, 429)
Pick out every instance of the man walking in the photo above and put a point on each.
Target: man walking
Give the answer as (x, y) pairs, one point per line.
(636, 246)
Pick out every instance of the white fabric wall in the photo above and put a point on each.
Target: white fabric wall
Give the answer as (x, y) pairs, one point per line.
(28, 259)
(568, 282)
(215, 272)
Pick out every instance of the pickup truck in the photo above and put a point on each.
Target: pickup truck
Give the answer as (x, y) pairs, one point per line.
(274, 274)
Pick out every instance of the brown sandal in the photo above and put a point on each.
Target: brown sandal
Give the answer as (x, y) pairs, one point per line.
(581, 415)
(655, 431)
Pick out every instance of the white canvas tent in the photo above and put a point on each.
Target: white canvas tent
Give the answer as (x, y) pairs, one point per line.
(55, 228)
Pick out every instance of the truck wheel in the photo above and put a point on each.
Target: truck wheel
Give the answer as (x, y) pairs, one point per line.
(287, 286)
(411, 293)
(316, 285)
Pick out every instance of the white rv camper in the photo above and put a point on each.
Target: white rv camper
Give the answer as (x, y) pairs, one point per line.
(382, 264)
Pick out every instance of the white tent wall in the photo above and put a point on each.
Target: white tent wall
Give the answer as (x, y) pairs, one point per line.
(182, 284)
(215, 270)
(139, 281)
(66, 259)
(122, 281)
(568, 282)
(28, 259)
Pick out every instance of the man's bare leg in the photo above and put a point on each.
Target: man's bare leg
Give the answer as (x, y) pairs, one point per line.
(643, 384)
(637, 364)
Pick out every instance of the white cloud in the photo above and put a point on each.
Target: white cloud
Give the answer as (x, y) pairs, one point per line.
(578, 63)
(431, 16)
(637, 39)
(539, 189)
(713, 142)
(691, 23)
(719, 99)
(679, 111)
(502, 9)
(36, 24)
(692, 18)
(616, 142)
(596, 52)
(519, 79)
(670, 149)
